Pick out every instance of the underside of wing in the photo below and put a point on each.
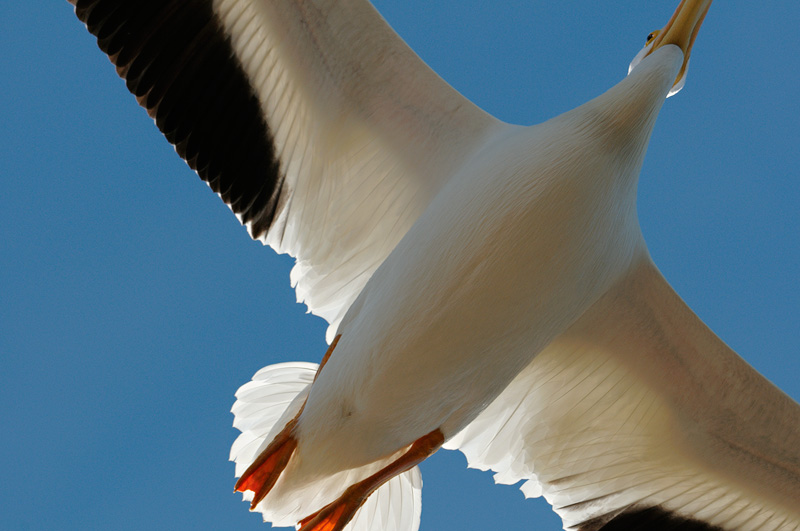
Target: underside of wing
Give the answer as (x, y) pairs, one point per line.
(639, 417)
(313, 121)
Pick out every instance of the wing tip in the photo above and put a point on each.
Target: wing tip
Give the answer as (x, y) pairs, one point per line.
(654, 518)
(184, 71)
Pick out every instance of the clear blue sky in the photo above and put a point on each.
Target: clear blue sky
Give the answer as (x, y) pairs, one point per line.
(133, 305)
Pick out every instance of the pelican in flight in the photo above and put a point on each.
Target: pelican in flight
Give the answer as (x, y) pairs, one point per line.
(487, 285)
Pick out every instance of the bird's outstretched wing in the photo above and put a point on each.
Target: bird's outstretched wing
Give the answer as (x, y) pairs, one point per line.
(314, 122)
(639, 417)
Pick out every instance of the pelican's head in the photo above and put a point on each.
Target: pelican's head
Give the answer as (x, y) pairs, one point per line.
(681, 30)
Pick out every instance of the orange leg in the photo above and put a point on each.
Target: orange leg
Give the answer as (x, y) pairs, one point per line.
(327, 355)
(261, 476)
(336, 515)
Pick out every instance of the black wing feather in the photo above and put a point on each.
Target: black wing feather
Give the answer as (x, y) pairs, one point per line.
(178, 61)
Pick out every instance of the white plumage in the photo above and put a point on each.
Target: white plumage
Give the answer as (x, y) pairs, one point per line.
(488, 282)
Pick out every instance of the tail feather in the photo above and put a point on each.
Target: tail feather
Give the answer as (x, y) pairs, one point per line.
(263, 407)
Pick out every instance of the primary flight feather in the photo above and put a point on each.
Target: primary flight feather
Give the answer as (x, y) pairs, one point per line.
(487, 285)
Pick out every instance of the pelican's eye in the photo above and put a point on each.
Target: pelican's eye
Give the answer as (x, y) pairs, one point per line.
(652, 36)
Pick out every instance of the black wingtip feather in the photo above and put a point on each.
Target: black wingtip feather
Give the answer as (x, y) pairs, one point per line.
(177, 60)
(649, 519)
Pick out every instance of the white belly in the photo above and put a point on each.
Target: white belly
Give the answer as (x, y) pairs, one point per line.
(498, 266)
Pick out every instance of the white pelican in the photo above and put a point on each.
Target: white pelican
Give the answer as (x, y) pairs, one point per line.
(487, 285)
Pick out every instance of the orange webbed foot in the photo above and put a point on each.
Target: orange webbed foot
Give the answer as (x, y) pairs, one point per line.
(261, 476)
(336, 515)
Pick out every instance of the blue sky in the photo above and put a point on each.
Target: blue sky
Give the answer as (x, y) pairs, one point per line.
(133, 304)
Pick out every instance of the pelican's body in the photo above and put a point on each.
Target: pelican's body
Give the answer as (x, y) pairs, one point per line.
(555, 233)
(487, 286)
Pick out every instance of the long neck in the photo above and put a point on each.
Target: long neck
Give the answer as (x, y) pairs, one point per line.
(621, 120)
